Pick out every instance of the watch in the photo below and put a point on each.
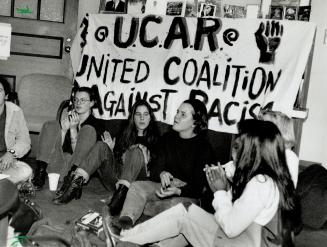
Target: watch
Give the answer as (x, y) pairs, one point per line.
(12, 151)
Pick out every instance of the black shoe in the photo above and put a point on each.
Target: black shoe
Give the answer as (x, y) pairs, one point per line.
(67, 181)
(117, 200)
(74, 191)
(40, 175)
(125, 222)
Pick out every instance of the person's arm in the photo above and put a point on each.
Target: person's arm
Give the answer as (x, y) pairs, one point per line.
(22, 138)
(234, 218)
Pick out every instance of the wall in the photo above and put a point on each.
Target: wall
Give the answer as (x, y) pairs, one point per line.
(314, 133)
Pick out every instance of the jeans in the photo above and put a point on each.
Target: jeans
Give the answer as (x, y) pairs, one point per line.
(195, 224)
(142, 192)
(19, 172)
(133, 167)
(102, 159)
(50, 147)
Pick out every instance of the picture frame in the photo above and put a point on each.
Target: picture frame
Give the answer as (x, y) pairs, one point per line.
(304, 13)
(290, 13)
(207, 10)
(276, 12)
(175, 7)
(113, 6)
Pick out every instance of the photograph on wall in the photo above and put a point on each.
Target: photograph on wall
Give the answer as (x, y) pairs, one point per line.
(276, 12)
(175, 7)
(239, 11)
(136, 7)
(207, 10)
(191, 8)
(113, 6)
(304, 13)
(156, 7)
(216, 3)
(290, 13)
(228, 11)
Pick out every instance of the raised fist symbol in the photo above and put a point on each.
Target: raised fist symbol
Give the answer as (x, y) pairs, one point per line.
(268, 38)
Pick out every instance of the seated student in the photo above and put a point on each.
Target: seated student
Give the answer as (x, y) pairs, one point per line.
(178, 168)
(126, 160)
(261, 185)
(65, 145)
(286, 127)
(15, 140)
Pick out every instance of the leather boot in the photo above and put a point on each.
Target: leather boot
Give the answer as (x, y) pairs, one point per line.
(117, 200)
(67, 181)
(40, 174)
(74, 191)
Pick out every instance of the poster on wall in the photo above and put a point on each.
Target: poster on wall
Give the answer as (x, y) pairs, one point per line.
(5, 40)
(235, 66)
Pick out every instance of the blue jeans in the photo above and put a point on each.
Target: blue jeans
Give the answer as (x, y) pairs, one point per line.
(142, 192)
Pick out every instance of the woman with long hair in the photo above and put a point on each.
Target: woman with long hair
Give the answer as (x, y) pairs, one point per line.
(125, 160)
(64, 145)
(286, 127)
(261, 186)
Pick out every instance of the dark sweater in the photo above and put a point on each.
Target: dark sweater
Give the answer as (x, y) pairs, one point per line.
(92, 121)
(185, 160)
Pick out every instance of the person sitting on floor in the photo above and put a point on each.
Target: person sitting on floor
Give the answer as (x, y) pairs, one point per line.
(63, 146)
(262, 184)
(15, 140)
(286, 127)
(177, 170)
(127, 160)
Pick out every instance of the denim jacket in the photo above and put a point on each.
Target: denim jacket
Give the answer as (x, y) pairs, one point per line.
(16, 132)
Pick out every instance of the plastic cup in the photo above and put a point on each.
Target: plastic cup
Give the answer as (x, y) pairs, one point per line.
(53, 181)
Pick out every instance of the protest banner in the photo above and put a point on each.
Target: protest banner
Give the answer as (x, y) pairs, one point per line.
(236, 66)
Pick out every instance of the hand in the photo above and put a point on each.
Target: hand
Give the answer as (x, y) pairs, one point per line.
(74, 120)
(146, 153)
(268, 38)
(170, 191)
(216, 178)
(106, 138)
(6, 161)
(65, 124)
(165, 178)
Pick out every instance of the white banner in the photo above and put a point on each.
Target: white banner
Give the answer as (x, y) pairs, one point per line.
(235, 66)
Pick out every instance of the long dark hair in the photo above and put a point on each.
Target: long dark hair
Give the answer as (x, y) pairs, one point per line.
(129, 134)
(260, 149)
(93, 92)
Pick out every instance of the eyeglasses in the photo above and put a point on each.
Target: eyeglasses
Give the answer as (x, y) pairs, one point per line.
(80, 101)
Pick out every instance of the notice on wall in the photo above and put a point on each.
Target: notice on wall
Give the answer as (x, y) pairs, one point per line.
(236, 66)
(5, 38)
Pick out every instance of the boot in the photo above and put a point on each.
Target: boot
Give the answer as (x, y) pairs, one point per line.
(40, 175)
(74, 191)
(67, 181)
(117, 200)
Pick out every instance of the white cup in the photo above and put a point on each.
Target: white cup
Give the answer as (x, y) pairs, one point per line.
(53, 181)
